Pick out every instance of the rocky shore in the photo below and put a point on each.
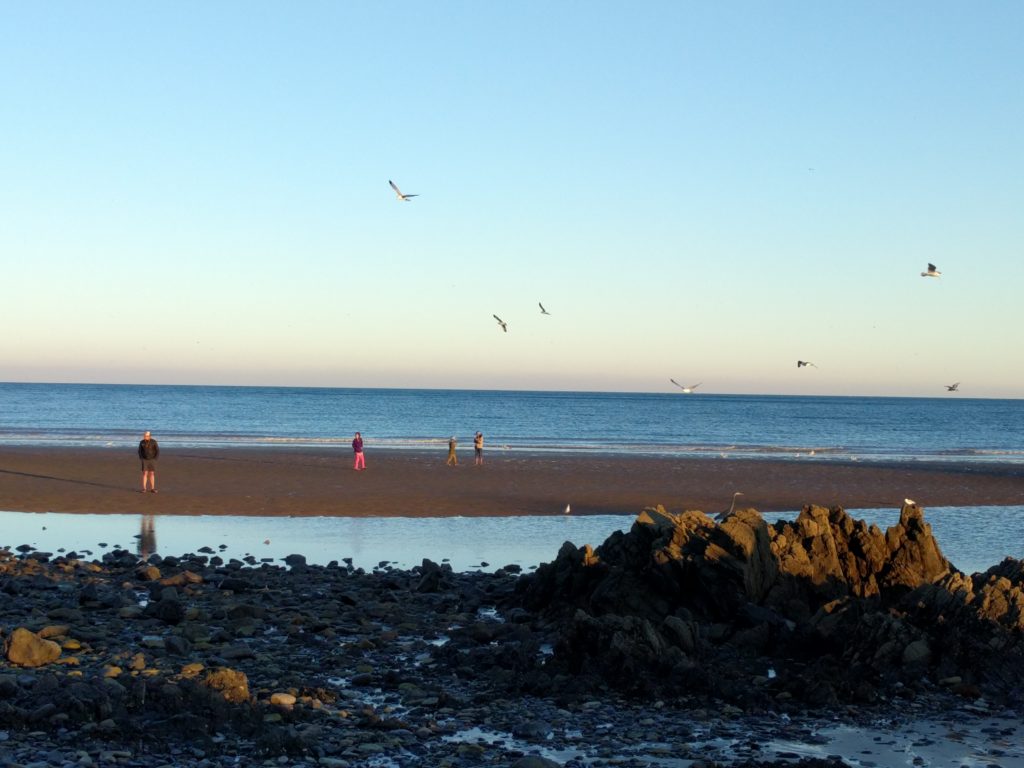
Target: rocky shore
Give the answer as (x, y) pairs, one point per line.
(681, 642)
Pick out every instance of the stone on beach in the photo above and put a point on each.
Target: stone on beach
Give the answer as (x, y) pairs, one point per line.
(230, 683)
(25, 648)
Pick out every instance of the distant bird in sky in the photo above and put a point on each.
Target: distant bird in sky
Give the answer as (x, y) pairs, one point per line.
(502, 323)
(404, 198)
(932, 272)
(952, 387)
(726, 514)
(802, 363)
(688, 390)
(542, 310)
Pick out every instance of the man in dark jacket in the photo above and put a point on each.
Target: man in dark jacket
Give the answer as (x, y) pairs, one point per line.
(149, 452)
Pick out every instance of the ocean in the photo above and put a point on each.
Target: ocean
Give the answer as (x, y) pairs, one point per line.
(948, 428)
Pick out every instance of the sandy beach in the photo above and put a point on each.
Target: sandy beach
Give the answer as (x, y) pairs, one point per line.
(272, 481)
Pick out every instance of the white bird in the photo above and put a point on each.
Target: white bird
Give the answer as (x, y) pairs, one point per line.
(542, 310)
(688, 390)
(910, 502)
(952, 387)
(502, 323)
(404, 198)
(567, 509)
(802, 363)
(932, 272)
(726, 514)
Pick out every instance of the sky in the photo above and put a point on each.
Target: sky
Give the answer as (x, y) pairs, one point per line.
(197, 193)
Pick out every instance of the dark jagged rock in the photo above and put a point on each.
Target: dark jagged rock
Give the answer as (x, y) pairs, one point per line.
(681, 600)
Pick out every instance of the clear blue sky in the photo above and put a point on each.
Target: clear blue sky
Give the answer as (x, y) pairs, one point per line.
(197, 192)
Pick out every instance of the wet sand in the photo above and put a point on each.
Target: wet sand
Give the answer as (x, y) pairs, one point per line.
(300, 482)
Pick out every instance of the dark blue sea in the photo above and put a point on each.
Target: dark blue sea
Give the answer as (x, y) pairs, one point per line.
(743, 426)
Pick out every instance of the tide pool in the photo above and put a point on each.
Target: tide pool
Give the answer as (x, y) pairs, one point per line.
(973, 538)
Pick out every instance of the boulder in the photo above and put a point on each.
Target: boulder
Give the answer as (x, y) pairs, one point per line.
(26, 649)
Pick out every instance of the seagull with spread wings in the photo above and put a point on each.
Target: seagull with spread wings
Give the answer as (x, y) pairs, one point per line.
(403, 198)
(952, 387)
(542, 310)
(802, 363)
(688, 390)
(502, 323)
(932, 272)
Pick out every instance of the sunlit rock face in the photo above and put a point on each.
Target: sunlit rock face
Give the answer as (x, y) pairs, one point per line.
(25, 648)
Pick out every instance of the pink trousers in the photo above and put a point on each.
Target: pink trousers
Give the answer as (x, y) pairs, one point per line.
(360, 461)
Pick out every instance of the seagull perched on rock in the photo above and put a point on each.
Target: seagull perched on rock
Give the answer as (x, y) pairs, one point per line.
(952, 387)
(403, 198)
(688, 390)
(726, 514)
(502, 323)
(542, 310)
(932, 272)
(910, 502)
(802, 363)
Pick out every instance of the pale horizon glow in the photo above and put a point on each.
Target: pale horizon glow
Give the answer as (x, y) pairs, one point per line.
(198, 194)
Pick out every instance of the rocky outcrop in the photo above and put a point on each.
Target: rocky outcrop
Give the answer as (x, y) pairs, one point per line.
(667, 561)
(839, 610)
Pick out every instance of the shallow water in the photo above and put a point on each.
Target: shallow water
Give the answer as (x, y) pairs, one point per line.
(973, 538)
(968, 742)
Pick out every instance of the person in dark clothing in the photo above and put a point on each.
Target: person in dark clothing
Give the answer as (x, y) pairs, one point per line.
(149, 452)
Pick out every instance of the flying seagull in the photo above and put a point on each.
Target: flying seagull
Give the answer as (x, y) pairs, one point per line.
(952, 387)
(403, 198)
(932, 272)
(542, 310)
(688, 390)
(502, 323)
(802, 363)
(726, 514)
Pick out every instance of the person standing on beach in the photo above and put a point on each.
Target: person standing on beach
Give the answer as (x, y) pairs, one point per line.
(453, 460)
(478, 449)
(357, 448)
(149, 452)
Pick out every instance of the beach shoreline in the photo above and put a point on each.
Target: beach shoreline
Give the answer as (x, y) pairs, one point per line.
(411, 483)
